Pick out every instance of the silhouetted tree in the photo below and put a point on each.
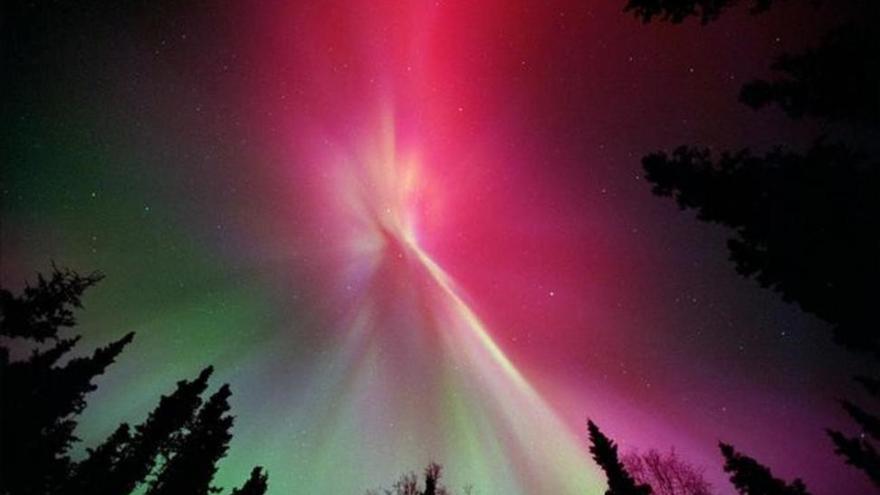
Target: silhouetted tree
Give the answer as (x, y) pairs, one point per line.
(836, 81)
(193, 464)
(40, 312)
(91, 471)
(408, 483)
(256, 484)
(40, 399)
(805, 224)
(751, 478)
(604, 452)
(768, 200)
(432, 478)
(677, 11)
(859, 451)
(666, 474)
(152, 438)
(871, 385)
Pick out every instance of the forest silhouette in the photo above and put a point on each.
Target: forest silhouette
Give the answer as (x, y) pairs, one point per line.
(803, 223)
(173, 451)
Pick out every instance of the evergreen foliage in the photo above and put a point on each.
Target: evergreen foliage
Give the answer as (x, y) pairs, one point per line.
(604, 452)
(174, 450)
(751, 478)
(256, 484)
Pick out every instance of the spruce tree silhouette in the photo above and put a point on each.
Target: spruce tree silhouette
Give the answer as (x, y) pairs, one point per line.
(191, 467)
(751, 478)
(40, 312)
(836, 81)
(87, 474)
(39, 401)
(153, 438)
(859, 451)
(604, 452)
(256, 484)
(803, 224)
(676, 11)
(39, 398)
(806, 223)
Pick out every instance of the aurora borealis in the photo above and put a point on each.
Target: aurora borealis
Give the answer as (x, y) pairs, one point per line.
(412, 231)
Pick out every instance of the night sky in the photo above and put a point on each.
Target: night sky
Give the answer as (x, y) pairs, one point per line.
(414, 231)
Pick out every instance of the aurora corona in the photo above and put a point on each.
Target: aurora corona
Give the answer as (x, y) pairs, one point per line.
(417, 356)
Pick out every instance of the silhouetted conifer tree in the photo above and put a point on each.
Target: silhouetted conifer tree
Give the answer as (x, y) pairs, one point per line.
(835, 81)
(94, 469)
(677, 11)
(751, 478)
(256, 484)
(39, 398)
(604, 452)
(154, 437)
(39, 401)
(872, 385)
(40, 312)
(859, 451)
(806, 224)
(193, 463)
